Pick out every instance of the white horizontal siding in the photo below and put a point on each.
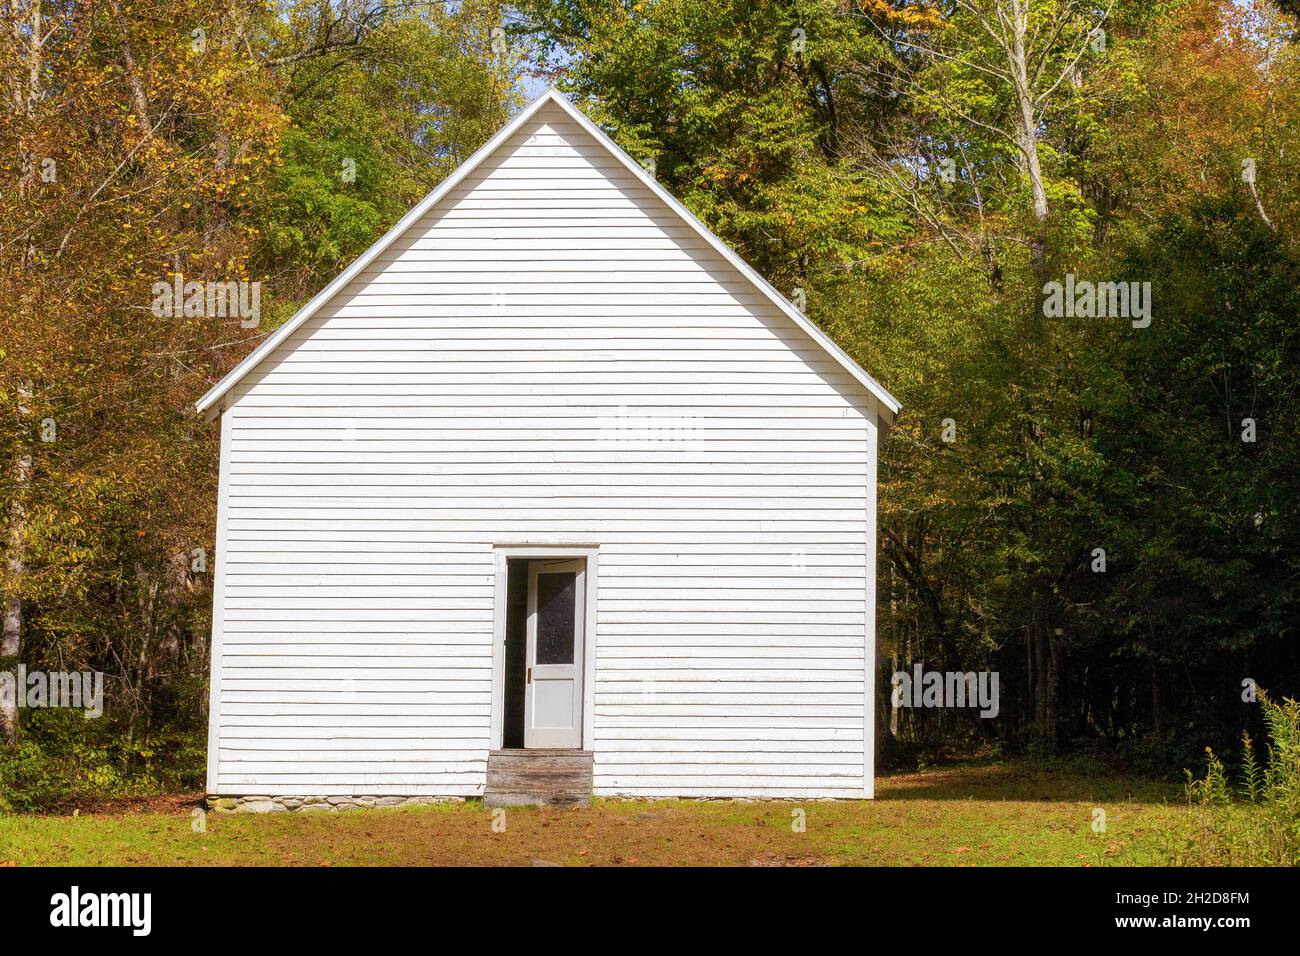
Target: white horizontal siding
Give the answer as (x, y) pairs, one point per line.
(512, 370)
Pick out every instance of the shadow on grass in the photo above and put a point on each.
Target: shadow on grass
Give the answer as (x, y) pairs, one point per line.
(1025, 781)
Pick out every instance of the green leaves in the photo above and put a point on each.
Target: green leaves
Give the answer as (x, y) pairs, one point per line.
(315, 218)
(743, 107)
(376, 126)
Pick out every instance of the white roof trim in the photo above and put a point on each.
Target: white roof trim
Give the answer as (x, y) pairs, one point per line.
(209, 402)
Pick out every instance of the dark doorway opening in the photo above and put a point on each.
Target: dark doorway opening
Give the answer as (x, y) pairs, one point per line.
(516, 652)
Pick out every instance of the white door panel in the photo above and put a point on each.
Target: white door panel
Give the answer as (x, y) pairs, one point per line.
(553, 685)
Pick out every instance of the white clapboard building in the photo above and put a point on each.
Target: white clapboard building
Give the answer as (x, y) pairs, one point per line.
(548, 494)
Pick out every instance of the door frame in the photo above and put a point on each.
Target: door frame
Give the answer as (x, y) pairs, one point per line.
(501, 553)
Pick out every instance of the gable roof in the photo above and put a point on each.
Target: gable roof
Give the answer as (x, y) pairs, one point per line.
(210, 405)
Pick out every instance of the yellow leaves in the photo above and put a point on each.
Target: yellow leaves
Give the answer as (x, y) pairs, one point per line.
(919, 16)
(719, 174)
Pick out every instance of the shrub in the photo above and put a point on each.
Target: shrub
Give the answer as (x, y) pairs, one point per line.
(1252, 817)
(62, 757)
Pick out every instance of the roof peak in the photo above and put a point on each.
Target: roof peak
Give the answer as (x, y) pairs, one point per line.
(213, 401)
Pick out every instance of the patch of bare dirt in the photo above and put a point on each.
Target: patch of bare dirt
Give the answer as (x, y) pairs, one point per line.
(772, 859)
(127, 806)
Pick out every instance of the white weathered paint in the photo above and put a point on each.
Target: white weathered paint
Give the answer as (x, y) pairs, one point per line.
(455, 401)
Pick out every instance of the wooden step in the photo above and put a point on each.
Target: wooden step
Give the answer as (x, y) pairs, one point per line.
(548, 777)
(547, 761)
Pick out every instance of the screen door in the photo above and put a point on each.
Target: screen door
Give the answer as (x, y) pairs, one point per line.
(553, 682)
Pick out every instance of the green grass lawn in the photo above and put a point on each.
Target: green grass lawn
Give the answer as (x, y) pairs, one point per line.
(999, 814)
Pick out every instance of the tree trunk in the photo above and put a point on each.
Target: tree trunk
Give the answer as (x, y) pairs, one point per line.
(139, 100)
(1026, 113)
(1045, 670)
(12, 627)
(1157, 700)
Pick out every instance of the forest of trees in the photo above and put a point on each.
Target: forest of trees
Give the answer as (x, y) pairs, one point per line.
(1100, 509)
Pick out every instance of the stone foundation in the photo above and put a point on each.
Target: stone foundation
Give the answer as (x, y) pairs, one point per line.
(260, 804)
